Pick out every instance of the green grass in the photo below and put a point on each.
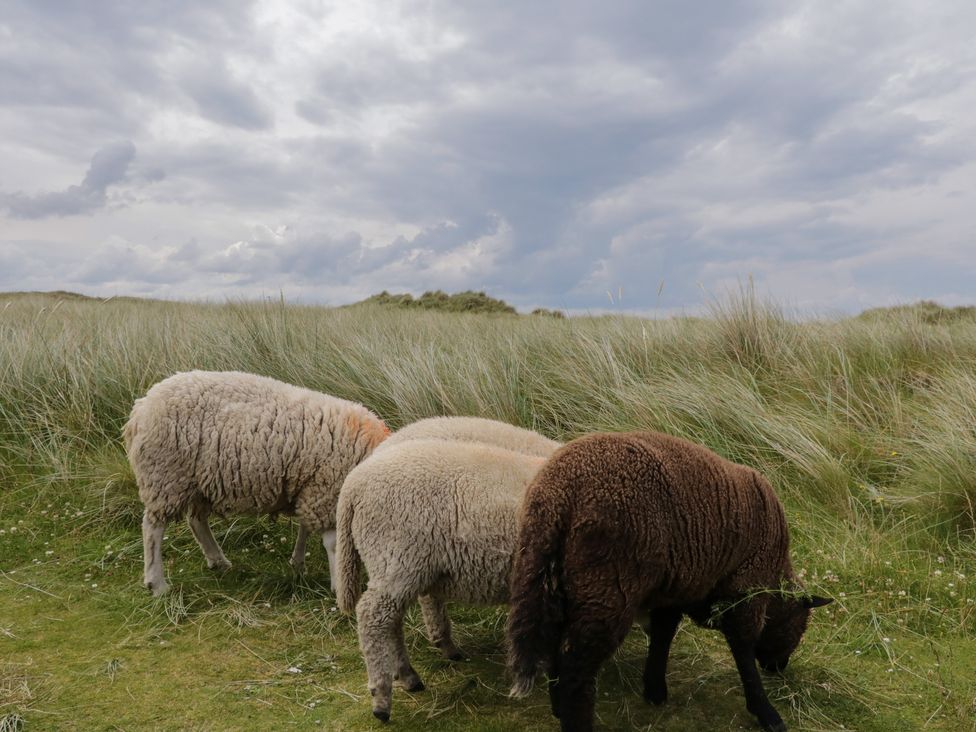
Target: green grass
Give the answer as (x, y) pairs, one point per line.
(867, 427)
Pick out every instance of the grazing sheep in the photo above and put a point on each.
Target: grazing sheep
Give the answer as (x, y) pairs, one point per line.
(475, 429)
(207, 442)
(642, 524)
(433, 519)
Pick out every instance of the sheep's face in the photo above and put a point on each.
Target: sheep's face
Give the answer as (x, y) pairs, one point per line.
(786, 621)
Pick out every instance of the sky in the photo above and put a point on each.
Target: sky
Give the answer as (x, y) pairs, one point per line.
(644, 157)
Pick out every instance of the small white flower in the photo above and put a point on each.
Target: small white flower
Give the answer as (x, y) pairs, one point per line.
(94, 585)
(886, 640)
(49, 552)
(937, 573)
(294, 670)
(940, 560)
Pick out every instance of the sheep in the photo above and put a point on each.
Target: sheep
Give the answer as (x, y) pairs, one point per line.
(429, 519)
(617, 526)
(203, 442)
(475, 429)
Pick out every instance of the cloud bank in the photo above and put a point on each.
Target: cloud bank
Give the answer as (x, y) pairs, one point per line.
(547, 153)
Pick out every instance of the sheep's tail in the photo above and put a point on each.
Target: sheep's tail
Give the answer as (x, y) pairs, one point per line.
(347, 556)
(535, 619)
(131, 428)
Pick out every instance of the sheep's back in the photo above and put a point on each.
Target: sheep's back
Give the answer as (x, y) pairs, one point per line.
(434, 515)
(475, 429)
(684, 520)
(247, 443)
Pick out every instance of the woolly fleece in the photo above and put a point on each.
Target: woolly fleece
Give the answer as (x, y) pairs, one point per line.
(475, 429)
(426, 517)
(620, 524)
(233, 443)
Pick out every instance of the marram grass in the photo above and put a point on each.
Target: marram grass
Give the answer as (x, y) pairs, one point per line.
(866, 426)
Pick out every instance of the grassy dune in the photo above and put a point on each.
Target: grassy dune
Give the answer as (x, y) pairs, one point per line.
(867, 427)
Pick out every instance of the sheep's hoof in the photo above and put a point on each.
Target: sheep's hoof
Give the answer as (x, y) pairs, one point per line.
(157, 588)
(382, 715)
(656, 695)
(219, 565)
(452, 653)
(415, 686)
(772, 722)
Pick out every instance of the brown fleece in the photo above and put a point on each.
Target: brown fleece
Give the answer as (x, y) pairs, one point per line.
(620, 525)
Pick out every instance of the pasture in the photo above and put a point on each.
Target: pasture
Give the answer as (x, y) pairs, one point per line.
(865, 426)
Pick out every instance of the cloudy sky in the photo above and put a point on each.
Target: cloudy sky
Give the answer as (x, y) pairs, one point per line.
(547, 152)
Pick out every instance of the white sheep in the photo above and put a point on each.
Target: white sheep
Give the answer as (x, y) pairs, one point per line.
(466, 429)
(429, 519)
(475, 429)
(227, 442)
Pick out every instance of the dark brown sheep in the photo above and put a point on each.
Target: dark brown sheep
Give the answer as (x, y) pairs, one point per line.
(620, 526)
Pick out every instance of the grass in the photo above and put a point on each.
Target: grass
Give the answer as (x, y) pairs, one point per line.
(866, 427)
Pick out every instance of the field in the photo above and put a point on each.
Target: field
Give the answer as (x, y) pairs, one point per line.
(866, 426)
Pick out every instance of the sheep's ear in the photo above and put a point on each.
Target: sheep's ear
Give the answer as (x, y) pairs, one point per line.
(816, 601)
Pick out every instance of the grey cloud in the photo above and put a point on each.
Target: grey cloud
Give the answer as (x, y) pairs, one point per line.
(565, 148)
(225, 100)
(108, 167)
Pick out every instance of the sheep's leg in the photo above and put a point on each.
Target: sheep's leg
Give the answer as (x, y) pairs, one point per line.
(741, 630)
(329, 542)
(660, 629)
(552, 683)
(587, 647)
(406, 674)
(152, 548)
(196, 517)
(379, 614)
(439, 626)
(298, 554)
(595, 626)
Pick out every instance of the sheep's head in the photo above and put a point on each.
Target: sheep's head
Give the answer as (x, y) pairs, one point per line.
(786, 621)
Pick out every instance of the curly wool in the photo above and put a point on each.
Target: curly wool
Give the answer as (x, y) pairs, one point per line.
(475, 429)
(430, 518)
(233, 443)
(620, 525)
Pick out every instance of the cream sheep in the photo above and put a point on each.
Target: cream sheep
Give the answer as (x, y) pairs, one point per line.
(205, 442)
(475, 429)
(430, 518)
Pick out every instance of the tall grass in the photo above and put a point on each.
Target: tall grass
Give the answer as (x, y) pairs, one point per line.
(866, 426)
(832, 411)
